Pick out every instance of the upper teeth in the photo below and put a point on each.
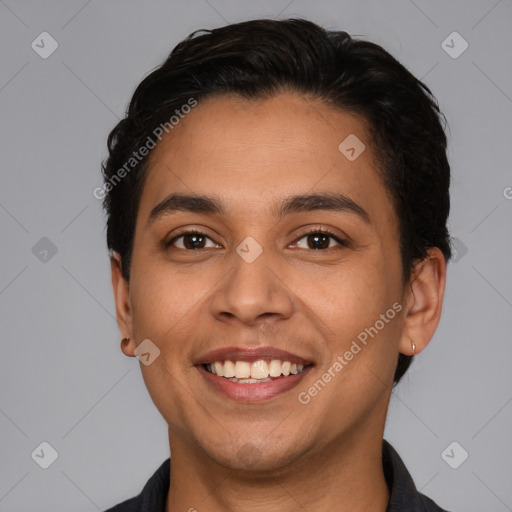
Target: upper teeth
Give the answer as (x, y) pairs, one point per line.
(260, 369)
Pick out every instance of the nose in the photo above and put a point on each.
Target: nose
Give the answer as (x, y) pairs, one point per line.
(252, 293)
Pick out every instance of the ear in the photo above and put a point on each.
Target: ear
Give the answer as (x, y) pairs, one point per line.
(424, 299)
(121, 290)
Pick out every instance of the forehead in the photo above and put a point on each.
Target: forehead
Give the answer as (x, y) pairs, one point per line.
(249, 151)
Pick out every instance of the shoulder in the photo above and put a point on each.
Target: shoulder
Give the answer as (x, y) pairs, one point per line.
(153, 496)
(403, 495)
(133, 504)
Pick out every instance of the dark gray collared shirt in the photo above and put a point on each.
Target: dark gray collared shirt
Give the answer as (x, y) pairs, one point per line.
(403, 494)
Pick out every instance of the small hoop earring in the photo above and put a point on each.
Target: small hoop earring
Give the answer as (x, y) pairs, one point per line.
(413, 345)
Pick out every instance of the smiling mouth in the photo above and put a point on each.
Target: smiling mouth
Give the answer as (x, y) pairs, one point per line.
(255, 372)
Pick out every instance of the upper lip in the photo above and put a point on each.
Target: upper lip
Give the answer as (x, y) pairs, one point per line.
(250, 355)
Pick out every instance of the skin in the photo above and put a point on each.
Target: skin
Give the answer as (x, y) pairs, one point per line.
(279, 453)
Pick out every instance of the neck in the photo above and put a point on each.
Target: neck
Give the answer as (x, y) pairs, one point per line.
(347, 475)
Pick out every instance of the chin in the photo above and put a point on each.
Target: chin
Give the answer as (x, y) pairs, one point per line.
(255, 457)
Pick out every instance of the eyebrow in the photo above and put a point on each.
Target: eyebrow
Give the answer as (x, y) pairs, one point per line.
(213, 205)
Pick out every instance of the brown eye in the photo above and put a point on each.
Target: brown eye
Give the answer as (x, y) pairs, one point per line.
(191, 240)
(319, 240)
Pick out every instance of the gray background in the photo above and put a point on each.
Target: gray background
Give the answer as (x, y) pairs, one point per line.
(63, 378)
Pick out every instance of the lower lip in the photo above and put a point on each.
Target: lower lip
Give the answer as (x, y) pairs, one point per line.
(252, 392)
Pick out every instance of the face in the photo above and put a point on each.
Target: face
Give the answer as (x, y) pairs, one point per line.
(258, 268)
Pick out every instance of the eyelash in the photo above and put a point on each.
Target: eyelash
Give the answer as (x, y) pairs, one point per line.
(312, 231)
(330, 234)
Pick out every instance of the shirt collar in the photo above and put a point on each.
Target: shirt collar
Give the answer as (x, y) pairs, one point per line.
(403, 493)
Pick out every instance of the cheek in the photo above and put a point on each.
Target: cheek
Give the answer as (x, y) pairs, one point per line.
(353, 308)
(349, 298)
(163, 309)
(358, 310)
(162, 300)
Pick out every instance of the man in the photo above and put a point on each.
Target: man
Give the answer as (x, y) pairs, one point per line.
(277, 199)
